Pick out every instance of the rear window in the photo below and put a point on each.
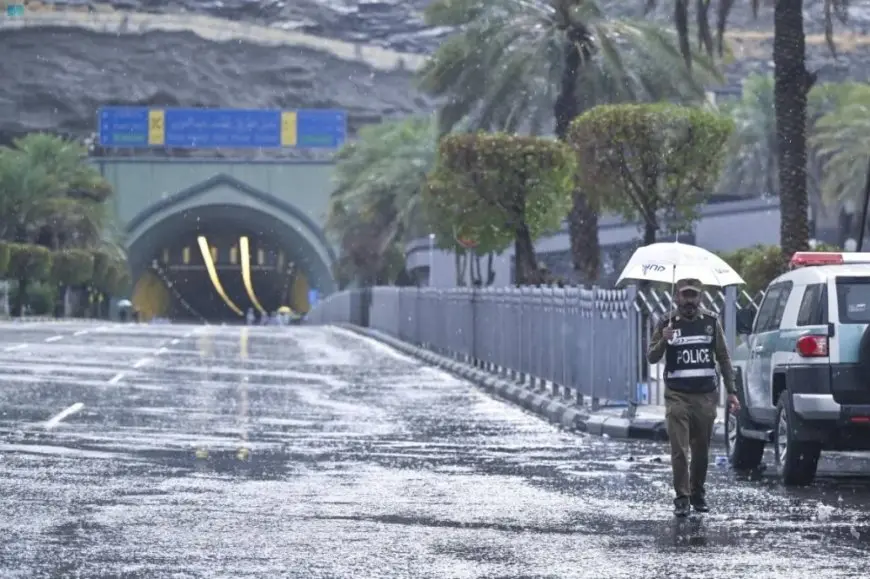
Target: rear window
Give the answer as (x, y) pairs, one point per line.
(853, 299)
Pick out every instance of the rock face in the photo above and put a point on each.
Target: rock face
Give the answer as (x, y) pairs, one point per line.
(58, 75)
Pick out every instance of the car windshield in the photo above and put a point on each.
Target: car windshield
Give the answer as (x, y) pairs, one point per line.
(853, 299)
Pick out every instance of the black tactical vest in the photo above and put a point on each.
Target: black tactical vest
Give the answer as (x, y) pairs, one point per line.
(690, 361)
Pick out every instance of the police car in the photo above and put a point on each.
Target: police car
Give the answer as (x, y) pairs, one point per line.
(804, 365)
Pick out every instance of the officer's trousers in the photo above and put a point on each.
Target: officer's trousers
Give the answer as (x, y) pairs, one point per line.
(690, 419)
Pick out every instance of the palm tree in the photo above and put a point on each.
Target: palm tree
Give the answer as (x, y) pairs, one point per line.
(843, 139)
(792, 84)
(378, 180)
(531, 66)
(50, 196)
(753, 161)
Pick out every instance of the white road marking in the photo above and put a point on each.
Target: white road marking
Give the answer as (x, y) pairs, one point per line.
(162, 351)
(13, 348)
(57, 418)
(54, 339)
(175, 341)
(142, 362)
(117, 378)
(81, 333)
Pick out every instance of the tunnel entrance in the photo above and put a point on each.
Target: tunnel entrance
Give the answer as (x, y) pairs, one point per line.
(186, 283)
(195, 259)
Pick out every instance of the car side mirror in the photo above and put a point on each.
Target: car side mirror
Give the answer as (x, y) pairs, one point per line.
(745, 319)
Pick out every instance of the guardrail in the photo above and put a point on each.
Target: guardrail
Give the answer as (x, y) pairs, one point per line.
(589, 344)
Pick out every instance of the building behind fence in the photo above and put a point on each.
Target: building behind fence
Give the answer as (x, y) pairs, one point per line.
(586, 344)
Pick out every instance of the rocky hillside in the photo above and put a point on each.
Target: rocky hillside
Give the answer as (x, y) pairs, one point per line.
(351, 54)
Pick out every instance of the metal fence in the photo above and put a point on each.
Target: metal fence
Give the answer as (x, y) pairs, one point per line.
(587, 344)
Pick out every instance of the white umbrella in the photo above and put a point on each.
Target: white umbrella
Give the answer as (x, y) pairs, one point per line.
(125, 304)
(670, 262)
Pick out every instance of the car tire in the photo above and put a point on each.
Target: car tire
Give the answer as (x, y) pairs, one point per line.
(796, 460)
(743, 453)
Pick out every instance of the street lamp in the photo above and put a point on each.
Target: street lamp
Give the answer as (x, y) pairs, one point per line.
(431, 258)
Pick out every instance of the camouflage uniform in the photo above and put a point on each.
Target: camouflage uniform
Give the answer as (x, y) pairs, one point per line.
(691, 406)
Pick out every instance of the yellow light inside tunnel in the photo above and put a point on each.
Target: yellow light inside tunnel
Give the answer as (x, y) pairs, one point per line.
(212, 273)
(245, 250)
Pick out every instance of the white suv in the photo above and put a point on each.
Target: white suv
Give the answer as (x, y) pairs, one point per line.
(804, 365)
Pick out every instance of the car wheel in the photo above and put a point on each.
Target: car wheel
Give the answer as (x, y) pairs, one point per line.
(796, 460)
(743, 453)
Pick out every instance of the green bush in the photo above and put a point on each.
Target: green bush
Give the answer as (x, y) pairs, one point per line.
(72, 267)
(29, 262)
(496, 188)
(643, 161)
(41, 297)
(761, 264)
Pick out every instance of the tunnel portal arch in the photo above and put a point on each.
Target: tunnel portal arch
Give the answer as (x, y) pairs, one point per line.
(228, 200)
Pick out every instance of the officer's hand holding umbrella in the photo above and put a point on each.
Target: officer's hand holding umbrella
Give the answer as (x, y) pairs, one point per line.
(692, 342)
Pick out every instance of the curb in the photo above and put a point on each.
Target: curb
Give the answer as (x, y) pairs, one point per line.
(553, 409)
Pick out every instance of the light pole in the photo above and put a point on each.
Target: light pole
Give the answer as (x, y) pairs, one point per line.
(431, 258)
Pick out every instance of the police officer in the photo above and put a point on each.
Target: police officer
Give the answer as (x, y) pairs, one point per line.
(692, 342)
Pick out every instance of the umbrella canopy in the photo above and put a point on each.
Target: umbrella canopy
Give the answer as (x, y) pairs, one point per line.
(125, 304)
(285, 310)
(670, 262)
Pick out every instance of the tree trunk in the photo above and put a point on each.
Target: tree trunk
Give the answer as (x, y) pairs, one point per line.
(20, 298)
(583, 231)
(649, 233)
(461, 262)
(524, 256)
(583, 218)
(490, 272)
(792, 83)
(475, 273)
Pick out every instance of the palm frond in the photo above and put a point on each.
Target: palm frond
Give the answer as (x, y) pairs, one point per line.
(503, 67)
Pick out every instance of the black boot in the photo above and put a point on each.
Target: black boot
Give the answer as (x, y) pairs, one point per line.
(681, 507)
(700, 504)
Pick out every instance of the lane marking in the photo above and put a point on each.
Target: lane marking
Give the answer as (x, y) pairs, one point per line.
(175, 341)
(13, 348)
(162, 351)
(117, 378)
(54, 339)
(142, 362)
(81, 333)
(57, 418)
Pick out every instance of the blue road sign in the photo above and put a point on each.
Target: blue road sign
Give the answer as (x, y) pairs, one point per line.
(221, 128)
(123, 127)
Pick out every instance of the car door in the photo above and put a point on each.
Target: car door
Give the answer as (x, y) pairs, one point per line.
(756, 388)
(769, 343)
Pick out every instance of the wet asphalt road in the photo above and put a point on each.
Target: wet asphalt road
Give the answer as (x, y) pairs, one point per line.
(313, 453)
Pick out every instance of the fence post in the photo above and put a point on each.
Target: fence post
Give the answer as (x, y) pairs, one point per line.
(635, 354)
(593, 308)
(730, 321)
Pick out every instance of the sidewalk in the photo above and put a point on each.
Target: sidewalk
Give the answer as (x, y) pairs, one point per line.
(612, 422)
